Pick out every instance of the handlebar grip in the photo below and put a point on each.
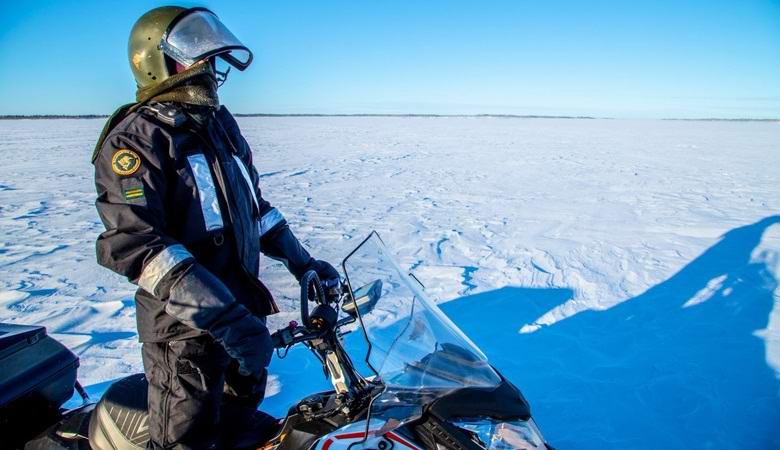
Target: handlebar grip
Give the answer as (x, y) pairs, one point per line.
(276, 340)
(282, 338)
(310, 282)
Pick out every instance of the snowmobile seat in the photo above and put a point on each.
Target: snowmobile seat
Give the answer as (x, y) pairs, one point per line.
(37, 376)
(120, 419)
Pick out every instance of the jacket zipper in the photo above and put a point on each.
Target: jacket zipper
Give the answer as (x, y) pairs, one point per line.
(234, 151)
(217, 168)
(171, 380)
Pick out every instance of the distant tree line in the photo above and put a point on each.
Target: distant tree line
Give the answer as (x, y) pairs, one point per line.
(508, 116)
(52, 116)
(511, 116)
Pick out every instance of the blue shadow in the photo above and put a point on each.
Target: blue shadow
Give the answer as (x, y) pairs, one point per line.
(647, 373)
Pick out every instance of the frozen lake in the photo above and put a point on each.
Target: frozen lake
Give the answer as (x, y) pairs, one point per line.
(622, 273)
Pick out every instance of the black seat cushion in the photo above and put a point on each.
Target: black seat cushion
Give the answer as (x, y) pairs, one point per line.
(120, 420)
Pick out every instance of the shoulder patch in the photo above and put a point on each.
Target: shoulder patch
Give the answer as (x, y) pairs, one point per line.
(125, 162)
(133, 191)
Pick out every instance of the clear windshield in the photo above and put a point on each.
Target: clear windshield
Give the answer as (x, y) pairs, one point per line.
(200, 34)
(417, 352)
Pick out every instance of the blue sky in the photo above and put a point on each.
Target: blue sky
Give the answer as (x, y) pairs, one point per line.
(616, 59)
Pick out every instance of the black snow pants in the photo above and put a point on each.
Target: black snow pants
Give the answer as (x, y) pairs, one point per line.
(197, 398)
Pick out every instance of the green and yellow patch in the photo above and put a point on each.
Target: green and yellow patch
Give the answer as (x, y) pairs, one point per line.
(133, 193)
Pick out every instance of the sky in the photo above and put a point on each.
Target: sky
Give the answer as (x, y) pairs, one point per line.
(659, 59)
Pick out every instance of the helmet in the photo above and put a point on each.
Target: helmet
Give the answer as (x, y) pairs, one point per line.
(170, 34)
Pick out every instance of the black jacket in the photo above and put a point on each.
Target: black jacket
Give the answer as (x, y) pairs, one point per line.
(180, 196)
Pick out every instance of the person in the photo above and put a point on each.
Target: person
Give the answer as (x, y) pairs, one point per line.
(186, 221)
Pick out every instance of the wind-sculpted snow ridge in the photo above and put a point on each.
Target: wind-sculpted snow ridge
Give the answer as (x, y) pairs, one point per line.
(622, 273)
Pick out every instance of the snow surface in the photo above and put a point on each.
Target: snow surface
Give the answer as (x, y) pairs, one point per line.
(623, 273)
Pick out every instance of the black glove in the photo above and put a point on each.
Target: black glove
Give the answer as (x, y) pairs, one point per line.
(200, 300)
(246, 340)
(328, 274)
(329, 278)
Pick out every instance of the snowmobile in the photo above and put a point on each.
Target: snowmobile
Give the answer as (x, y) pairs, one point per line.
(416, 382)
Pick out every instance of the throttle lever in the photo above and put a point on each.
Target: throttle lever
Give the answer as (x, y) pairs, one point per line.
(333, 290)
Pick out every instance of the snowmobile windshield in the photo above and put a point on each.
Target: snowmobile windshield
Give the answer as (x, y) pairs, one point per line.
(414, 348)
(198, 34)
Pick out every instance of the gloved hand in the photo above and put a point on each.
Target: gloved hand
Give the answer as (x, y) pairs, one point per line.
(329, 278)
(327, 273)
(200, 300)
(246, 339)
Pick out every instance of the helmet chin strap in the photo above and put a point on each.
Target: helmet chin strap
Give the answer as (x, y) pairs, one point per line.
(221, 76)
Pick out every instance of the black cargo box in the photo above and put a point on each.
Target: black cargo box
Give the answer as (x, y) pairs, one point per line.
(37, 375)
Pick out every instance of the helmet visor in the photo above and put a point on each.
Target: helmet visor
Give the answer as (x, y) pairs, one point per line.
(198, 34)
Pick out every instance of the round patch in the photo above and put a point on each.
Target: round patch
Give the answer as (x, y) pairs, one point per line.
(125, 162)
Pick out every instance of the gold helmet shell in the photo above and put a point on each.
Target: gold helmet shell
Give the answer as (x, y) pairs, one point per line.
(147, 59)
(171, 34)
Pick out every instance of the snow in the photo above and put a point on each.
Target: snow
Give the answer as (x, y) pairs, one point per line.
(624, 274)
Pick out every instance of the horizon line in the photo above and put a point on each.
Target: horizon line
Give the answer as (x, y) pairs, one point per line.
(412, 115)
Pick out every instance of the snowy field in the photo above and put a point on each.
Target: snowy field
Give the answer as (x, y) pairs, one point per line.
(624, 274)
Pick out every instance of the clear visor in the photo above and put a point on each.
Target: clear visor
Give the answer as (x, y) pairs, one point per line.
(198, 35)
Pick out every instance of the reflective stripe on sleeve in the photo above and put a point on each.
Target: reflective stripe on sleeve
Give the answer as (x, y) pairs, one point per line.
(207, 192)
(268, 220)
(248, 180)
(159, 266)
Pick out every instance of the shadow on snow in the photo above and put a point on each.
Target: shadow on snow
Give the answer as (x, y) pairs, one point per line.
(647, 373)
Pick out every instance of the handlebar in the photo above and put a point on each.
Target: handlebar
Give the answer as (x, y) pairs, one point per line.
(320, 333)
(321, 320)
